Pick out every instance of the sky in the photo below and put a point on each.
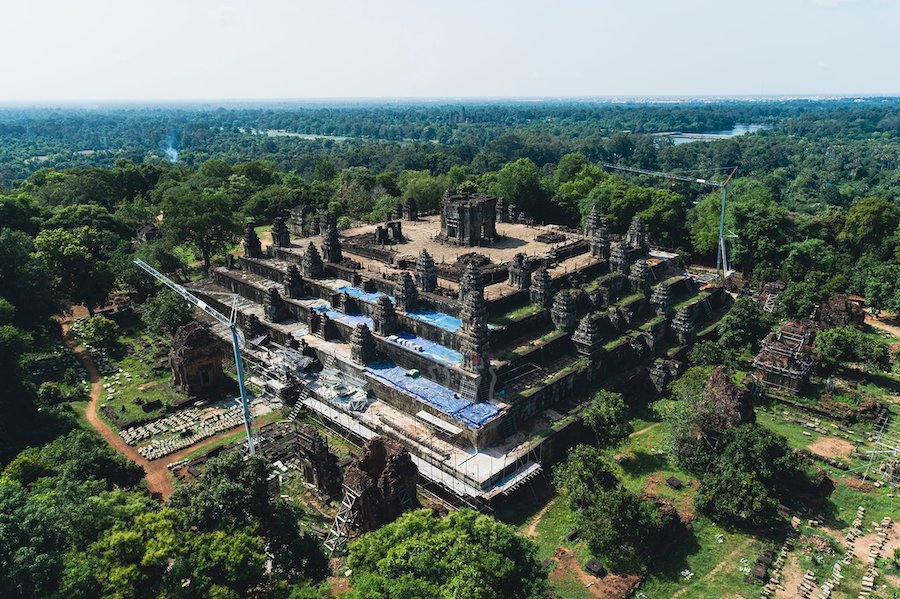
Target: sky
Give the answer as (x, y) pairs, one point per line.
(164, 50)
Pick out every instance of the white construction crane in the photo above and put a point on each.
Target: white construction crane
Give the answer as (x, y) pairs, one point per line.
(236, 337)
(721, 256)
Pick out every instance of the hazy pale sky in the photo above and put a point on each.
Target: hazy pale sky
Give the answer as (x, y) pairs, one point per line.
(55, 50)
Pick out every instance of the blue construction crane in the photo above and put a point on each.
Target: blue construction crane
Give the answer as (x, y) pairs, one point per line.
(236, 337)
(721, 256)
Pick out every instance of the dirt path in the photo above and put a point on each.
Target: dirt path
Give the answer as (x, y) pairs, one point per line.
(156, 471)
(646, 429)
(612, 586)
(531, 531)
(881, 325)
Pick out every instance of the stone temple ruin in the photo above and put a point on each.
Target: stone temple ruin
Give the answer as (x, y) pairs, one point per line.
(468, 219)
(196, 361)
(785, 360)
(473, 362)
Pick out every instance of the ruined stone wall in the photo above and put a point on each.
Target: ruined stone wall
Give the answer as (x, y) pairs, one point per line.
(263, 268)
(229, 280)
(367, 251)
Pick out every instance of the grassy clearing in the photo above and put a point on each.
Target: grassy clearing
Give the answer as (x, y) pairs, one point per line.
(716, 566)
(143, 356)
(513, 315)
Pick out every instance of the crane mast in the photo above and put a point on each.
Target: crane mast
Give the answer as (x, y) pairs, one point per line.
(236, 338)
(721, 255)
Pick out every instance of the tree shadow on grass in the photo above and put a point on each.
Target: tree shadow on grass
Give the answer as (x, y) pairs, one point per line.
(670, 561)
(642, 462)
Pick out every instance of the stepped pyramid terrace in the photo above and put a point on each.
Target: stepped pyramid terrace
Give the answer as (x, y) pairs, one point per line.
(473, 346)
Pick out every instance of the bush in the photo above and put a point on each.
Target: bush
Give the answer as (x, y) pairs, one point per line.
(100, 332)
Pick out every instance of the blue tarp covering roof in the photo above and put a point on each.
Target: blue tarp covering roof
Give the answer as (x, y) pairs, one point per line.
(358, 293)
(435, 351)
(433, 394)
(438, 319)
(349, 319)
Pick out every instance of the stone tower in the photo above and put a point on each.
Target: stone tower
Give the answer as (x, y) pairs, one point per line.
(252, 244)
(385, 318)
(661, 299)
(293, 282)
(331, 243)
(636, 238)
(520, 272)
(362, 345)
(405, 294)
(474, 332)
(410, 210)
(639, 277)
(683, 325)
(618, 258)
(273, 305)
(600, 240)
(470, 280)
(591, 222)
(542, 289)
(564, 312)
(589, 334)
(311, 263)
(426, 272)
(281, 237)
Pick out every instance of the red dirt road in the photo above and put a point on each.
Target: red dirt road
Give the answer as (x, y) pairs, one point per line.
(156, 471)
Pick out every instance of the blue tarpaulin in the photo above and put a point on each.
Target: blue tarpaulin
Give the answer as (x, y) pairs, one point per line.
(349, 319)
(435, 351)
(438, 319)
(433, 394)
(358, 293)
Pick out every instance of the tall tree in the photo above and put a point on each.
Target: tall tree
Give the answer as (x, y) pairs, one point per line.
(205, 221)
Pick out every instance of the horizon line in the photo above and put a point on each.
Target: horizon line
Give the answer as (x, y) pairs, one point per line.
(622, 98)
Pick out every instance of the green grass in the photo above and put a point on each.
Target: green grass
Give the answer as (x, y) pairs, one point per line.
(234, 437)
(691, 300)
(515, 314)
(139, 361)
(716, 565)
